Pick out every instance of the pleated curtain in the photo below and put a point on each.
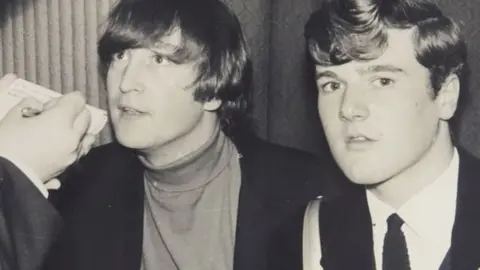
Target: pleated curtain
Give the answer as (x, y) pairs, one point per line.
(53, 43)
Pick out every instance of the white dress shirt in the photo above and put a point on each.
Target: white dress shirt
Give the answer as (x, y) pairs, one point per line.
(428, 217)
(31, 175)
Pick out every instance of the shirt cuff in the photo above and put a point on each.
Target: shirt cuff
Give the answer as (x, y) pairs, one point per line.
(31, 175)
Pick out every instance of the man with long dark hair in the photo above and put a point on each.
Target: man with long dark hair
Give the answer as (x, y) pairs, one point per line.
(184, 186)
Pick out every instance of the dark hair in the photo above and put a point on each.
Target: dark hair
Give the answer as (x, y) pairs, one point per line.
(346, 30)
(211, 35)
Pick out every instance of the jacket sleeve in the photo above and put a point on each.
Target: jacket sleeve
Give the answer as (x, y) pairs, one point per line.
(28, 222)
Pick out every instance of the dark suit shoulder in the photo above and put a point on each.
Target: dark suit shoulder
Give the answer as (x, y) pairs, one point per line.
(469, 160)
(7, 169)
(107, 154)
(468, 172)
(284, 167)
(283, 178)
(252, 145)
(279, 163)
(276, 161)
(95, 171)
(103, 158)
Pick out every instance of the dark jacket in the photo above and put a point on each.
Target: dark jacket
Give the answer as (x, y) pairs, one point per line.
(346, 231)
(102, 205)
(28, 223)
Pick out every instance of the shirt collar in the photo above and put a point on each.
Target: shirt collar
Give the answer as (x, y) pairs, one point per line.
(379, 211)
(431, 212)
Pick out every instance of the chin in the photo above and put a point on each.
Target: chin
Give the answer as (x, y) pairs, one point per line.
(364, 176)
(364, 180)
(133, 141)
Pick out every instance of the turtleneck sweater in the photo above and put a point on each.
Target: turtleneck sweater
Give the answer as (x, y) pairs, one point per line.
(191, 209)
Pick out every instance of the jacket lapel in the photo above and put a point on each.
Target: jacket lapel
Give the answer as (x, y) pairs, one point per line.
(347, 234)
(131, 214)
(250, 222)
(107, 224)
(465, 247)
(347, 241)
(447, 262)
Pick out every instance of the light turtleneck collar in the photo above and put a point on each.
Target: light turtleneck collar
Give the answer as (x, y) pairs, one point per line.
(193, 170)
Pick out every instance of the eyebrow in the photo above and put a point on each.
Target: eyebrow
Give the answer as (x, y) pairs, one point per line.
(326, 73)
(370, 69)
(170, 51)
(164, 47)
(381, 68)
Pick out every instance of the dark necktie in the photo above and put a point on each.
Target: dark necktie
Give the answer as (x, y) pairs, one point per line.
(395, 253)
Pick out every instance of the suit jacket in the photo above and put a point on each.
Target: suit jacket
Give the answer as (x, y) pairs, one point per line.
(103, 202)
(28, 223)
(346, 231)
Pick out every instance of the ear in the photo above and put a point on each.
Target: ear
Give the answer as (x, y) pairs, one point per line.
(447, 97)
(212, 105)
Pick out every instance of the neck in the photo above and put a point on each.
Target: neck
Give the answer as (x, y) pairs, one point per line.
(175, 150)
(397, 190)
(192, 171)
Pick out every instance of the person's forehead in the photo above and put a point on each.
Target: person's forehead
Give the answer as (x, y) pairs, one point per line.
(170, 41)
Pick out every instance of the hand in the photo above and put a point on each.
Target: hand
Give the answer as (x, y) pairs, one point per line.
(88, 139)
(49, 142)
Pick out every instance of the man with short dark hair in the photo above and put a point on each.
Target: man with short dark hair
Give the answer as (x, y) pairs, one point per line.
(391, 78)
(183, 186)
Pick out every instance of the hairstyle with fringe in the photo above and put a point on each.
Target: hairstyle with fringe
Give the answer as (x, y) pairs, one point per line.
(345, 30)
(211, 36)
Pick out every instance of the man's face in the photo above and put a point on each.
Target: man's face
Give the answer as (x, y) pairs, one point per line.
(150, 98)
(380, 116)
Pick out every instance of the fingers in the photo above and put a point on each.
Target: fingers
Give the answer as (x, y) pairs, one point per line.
(82, 122)
(71, 105)
(85, 145)
(50, 104)
(28, 107)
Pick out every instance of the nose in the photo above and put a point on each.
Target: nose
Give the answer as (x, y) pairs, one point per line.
(354, 106)
(131, 78)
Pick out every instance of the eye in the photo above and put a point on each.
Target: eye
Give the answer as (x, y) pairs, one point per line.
(119, 55)
(331, 87)
(160, 59)
(383, 82)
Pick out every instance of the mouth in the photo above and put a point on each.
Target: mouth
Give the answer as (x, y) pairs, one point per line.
(358, 139)
(359, 142)
(128, 110)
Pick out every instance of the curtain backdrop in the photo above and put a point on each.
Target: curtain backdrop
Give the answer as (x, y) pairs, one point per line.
(53, 42)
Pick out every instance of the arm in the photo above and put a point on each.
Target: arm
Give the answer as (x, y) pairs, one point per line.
(30, 174)
(28, 222)
(38, 148)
